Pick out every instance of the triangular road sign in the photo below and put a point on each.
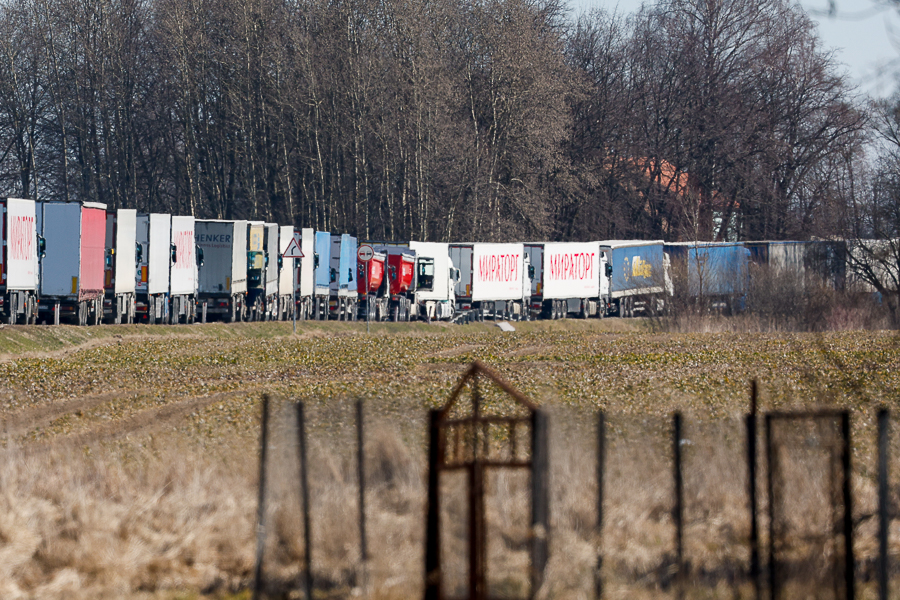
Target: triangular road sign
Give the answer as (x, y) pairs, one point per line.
(293, 250)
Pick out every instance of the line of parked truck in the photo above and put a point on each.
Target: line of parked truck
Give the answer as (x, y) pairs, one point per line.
(78, 262)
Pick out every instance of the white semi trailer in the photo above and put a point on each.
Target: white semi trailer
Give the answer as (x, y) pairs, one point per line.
(285, 274)
(306, 274)
(121, 255)
(273, 269)
(494, 279)
(223, 279)
(19, 267)
(569, 277)
(154, 233)
(183, 271)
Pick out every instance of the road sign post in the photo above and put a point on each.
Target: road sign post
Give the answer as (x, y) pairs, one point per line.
(365, 253)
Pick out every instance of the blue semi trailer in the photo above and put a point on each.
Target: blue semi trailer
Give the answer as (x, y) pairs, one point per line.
(323, 276)
(717, 274)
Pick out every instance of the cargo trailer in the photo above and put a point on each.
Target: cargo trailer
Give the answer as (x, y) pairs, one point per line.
(818, 262)
(183, 271)
(343, 296)
(285, 307)
(72, 269)
(494, 279)
(306, 274)
(873, 266)
(273, 269)
(120, 267)
(154, 233)
(324, 275)
(712, 275)
(19, 271)
(638, 277)
(569, 277)
(222, 289)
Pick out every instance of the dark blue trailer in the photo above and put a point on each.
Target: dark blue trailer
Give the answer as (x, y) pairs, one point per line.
(323, 277)
(716, 272)
(638, 276)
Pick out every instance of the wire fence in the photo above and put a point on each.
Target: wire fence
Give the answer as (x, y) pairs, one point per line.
(776, 505)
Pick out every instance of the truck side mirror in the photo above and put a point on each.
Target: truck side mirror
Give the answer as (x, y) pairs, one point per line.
(530, 272)
(138, 253)
(42, 247)
(109, 258)
(333, 275)
(199, 254)
(316, 261)
(280, 262)
(608, 270)
(350, 274)
(455, 275)
(174, 249)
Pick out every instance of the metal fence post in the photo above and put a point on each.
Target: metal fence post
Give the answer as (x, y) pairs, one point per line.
(361, 470)
(304, 495)
(770, 485)
(751, 490)
(849, 560)
(679, 506)
(261, 501)
(433, 579)
(883, 516)
(601, 463)
(540, 498)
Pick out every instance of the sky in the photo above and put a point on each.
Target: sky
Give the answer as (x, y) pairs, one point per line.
(865, 35)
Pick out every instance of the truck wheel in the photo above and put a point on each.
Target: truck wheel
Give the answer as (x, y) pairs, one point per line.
(26, 318)
(11, 310)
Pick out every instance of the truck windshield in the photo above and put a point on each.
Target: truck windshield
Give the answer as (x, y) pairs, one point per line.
(425, 276)
(255, 260)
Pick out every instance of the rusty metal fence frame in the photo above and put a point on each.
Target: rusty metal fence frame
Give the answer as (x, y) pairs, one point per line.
(464, 445)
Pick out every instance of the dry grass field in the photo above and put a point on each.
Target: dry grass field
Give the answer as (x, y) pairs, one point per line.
(130, 453)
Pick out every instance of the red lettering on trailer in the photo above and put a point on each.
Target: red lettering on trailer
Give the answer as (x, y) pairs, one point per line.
(183, 249)
(21, 239)
(498, 267)
(578, 266)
